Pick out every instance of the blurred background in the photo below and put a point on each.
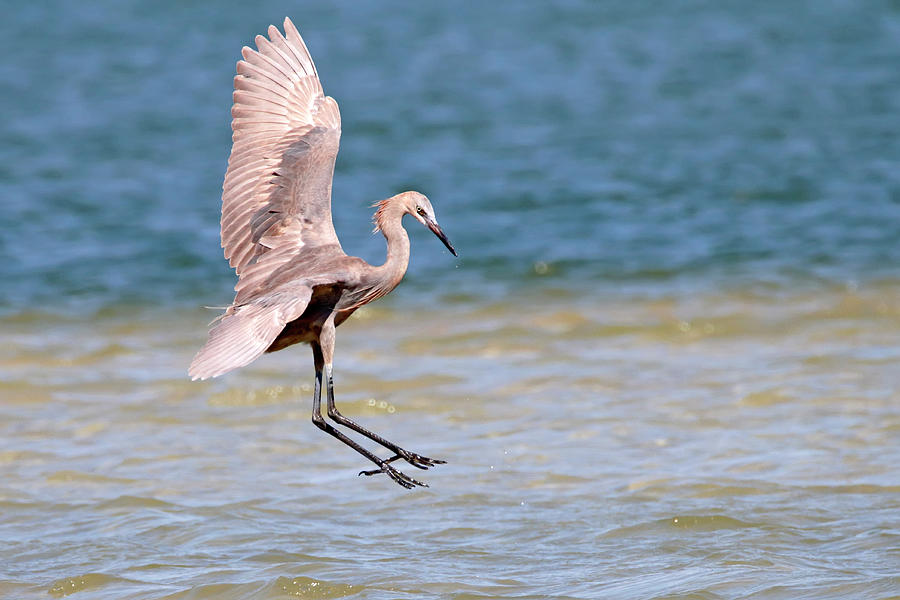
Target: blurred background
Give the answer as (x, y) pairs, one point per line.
(663, 366)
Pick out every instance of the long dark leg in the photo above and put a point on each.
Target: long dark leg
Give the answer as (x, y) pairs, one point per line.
(318, 421)
(326, 340)
(416, 460)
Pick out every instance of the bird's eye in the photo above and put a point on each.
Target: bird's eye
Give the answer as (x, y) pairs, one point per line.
(421, 211)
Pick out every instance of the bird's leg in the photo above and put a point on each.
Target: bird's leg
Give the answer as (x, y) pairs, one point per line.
(416, 460)
(326, 339)
(318, 421)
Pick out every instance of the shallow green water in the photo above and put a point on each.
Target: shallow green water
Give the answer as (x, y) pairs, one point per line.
(718, 446)
(664, 366)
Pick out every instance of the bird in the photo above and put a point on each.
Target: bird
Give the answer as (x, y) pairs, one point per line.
(295, 283)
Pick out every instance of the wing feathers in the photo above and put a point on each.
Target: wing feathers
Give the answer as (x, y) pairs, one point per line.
(246, 167)
(240, 337)
(262, 59)
(249, 101)
(279, 43)
(273, 50)
(293, 36)
(258, 68)
(276, 197)
(250, 78)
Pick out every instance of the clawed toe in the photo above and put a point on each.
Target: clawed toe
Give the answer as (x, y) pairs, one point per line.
(418, 461)
(398, 476)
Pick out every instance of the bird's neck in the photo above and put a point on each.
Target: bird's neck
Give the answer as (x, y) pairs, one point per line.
(386, 277)
(397, 250)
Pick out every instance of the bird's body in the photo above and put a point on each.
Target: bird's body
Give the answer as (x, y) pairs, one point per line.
(296, 284)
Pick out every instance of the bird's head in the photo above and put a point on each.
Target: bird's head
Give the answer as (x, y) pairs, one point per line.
(420, 208)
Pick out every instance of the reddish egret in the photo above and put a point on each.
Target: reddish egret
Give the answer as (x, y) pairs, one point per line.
(295, 282)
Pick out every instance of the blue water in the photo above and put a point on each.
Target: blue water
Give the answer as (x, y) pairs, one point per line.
(664, 365)
(708, 144)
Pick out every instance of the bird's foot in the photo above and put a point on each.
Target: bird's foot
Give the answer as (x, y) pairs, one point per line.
(416, 460)
(401, 478)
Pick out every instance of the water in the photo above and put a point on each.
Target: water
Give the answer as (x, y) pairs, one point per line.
(664, 366)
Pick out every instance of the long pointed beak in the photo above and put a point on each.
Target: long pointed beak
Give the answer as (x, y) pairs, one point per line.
(436, 230)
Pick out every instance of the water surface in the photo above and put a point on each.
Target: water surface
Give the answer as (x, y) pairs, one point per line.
(664, 366)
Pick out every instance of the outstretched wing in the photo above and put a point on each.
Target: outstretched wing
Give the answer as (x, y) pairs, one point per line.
(276, 198)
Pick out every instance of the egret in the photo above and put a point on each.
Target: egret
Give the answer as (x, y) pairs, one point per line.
(295, 283)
